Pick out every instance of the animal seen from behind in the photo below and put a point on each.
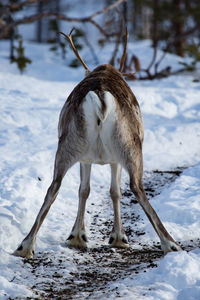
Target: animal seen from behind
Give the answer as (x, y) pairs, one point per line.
(100, 123)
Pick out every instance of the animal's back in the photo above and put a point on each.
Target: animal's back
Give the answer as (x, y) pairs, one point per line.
(105, 78)
(97, 102)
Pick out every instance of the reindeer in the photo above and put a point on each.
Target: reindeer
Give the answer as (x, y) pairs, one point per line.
(100, 123)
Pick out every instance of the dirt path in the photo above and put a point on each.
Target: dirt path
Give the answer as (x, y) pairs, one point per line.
(91, 271)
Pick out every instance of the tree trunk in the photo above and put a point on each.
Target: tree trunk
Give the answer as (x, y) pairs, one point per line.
(178, 28)
(155, 23)
(58, 21)
(39, 22)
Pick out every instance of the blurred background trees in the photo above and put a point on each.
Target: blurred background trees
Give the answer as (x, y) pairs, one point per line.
(171, 25)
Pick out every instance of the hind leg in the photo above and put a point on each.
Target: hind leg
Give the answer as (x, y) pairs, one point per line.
(27, 247)
(118, 237)
(78, 238)
(135, 170)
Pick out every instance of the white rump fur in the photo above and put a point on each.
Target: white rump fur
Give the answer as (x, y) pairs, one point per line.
(99, 136)
(93, 103)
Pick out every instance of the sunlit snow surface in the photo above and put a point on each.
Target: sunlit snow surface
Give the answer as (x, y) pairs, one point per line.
(29, 108)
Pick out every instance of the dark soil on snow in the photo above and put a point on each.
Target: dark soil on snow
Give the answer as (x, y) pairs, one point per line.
(99, 266)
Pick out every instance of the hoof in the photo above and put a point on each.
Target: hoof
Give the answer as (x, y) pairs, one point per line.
(24, 251)
(118, 241)
(77, 241)
(170, 246)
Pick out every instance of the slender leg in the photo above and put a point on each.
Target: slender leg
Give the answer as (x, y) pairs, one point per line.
(167, 242)
(27, 247)
(118, 237)
(78, 237)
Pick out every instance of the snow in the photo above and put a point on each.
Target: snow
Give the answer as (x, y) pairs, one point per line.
(30, 106)
(177, 277)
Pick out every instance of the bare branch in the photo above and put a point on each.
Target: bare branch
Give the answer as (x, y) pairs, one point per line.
(5, 29)
(43, 15)
(153, 59)
(99, 27)
(92, 50)
(15, 6)
(117, 42)
(124, 52)
(112, 60)
(130, 76)
(106, 9)
(160, 60)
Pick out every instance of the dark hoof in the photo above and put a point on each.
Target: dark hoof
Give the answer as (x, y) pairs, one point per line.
(84, 238)
(125, 241)
(174, 248)
(111, 240)
(20, 248)
(70, 237)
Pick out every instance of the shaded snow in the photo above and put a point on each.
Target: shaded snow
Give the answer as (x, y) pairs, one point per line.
(176, 277)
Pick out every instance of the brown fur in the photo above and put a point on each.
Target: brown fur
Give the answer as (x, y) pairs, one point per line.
(105, 78)
(125, 141)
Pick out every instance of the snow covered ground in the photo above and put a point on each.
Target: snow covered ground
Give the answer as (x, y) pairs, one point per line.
(30, 106)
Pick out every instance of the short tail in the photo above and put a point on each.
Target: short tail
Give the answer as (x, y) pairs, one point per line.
(102, 106)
